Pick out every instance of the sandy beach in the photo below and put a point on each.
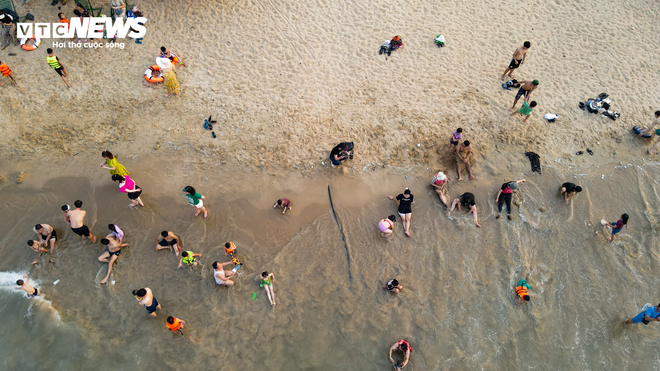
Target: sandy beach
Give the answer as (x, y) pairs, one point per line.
(287, 81)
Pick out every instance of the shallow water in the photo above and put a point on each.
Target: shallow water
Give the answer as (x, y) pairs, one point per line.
(458, 308)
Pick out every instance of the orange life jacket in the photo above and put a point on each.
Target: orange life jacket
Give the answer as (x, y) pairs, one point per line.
(4, 69)
(521, 291)
(231, 249)
(174, 326)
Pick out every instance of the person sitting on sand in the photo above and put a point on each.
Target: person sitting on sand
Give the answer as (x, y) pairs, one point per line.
(282, 203)
(517, 60)
(172, 57)
(25, 286)
(525, 110)
(521, 291)
(230, 248)
(386, 226)
(618, 226)
(267, 284)
(569, 190)
(465, 158)
(221, 276)
(403, 347)
(439, 183)
(456, 137)
(393, 286)
(504, 197)
(341, 152)
(406, 199)
(188, 258)
(168, 240)
(109, 256)
(467, 200)
(38, 247)
(648, 132)
(395, 44)
(46, 235)
(526, 89)
(649, 314)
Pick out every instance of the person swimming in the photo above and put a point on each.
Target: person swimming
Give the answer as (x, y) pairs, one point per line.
(521, 290)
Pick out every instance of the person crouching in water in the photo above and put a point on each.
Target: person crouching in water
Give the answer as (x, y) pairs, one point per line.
(521, 290)
(393, 286)
(386, 226)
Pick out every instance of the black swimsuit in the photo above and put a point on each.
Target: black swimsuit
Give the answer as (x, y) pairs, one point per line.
(52, 235)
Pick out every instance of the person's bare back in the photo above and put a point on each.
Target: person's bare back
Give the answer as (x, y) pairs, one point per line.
(76, 217)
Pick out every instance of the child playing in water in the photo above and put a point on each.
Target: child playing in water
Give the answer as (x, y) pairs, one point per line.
(267, 283)
(283, 204)
(115, 232)
(386, 226)
(188, 258)
(175, 324)
(456, 137)
(25, 286)
(230, 248)
(618, 226)
(521, 290)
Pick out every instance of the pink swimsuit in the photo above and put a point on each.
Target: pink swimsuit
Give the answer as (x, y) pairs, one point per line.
(383, 227)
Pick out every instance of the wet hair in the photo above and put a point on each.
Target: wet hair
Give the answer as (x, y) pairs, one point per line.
(66, 207)
(49, 50)
(20, 282)
(117, 178)
(190, 190)
(164, 233)
(264, 274)
(112, 227)
(107, 154)
(140, 292)
(535, 82)
(657, 113)
(526, 298)
(38, 226)
(184, 254)
(527, 44)
(30, 242)
(105, 241)
(215, 265)
(392, 218)
(395, 282)
(170, 320)
(228, 245)
(459, 130)
(279, 202)
(624, 218)
(467, 143)
(533, 104)
(406, 192)
(162, 49)
(403, 347)
(78, 203)
(578, 189)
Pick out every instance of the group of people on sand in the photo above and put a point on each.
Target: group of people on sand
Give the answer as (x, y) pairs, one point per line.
(525, 87)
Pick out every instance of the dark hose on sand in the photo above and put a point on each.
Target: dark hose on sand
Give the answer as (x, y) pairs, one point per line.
(343, 237)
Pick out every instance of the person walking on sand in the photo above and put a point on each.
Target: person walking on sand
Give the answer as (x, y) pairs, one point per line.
(168, 240)
(221, 276)
(76, 218)
(112, 254)
(406, 199)
(649, 313)
(6, 71)
(569, 190)
(38, 247)
(267, 283)
(526, 89)
(55, 64)
(439, 183)
(618, 226)
(46, 235)
(403, 347)
(112, 164)
(465, 158)
(467, 200)
(526, 110)
(147, 299)
(504, 197)
(517, 60)
(282, 203)
(25, 286)
(195, 199)
(127, 185)
(386, 226)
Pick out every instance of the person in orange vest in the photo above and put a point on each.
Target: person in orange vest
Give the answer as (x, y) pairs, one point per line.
(6, 71)
(230, 248)
(521, 290)
(175, 324)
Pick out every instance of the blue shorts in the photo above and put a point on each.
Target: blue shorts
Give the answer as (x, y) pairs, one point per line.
(615, 231)
(334, 162)
(638, 318)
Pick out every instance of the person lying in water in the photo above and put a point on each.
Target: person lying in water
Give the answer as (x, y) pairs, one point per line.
(467, 200)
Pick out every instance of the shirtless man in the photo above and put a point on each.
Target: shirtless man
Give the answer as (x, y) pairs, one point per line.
(221, 276)
(517, 60)
(109, 256)
(38, 247)
(463, 147)
(76, 218)
(25, 286)
(526, 89)
(167, 240)
(46, 235)
(146, 298)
